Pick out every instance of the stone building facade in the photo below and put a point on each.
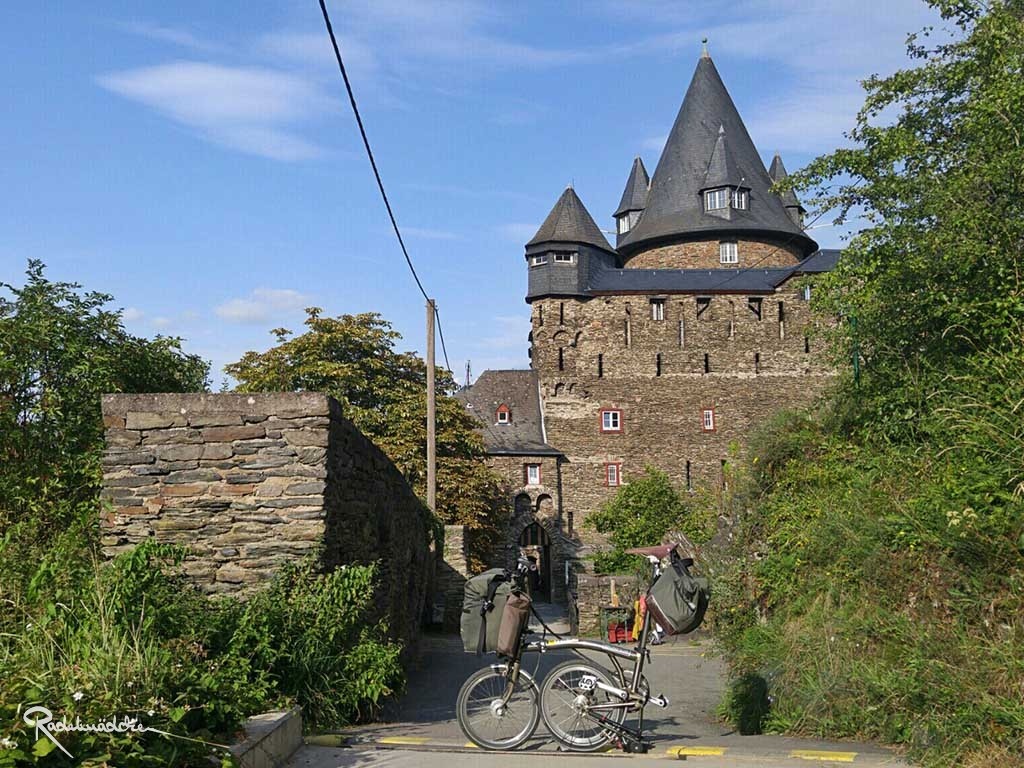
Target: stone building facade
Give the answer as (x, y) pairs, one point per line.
(249, 481)
(666, 350)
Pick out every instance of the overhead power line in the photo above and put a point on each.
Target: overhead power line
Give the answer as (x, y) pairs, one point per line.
(376, 173)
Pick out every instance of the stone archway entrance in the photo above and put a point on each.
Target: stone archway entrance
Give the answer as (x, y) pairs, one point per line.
(534, 542)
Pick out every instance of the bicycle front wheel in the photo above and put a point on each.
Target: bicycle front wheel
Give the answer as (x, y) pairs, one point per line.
(490, 718)
(575, 710)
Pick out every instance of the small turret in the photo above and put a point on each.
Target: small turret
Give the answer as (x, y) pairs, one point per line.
(789, 199)
(634, 198)
(567, 248)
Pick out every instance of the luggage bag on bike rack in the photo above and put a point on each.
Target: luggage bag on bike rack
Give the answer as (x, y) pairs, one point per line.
(677, 600)
(474, 597)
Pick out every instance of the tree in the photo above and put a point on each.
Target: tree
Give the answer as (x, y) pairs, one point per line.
(640, 515)
(59, 351)
(383, 392)
(937, 171)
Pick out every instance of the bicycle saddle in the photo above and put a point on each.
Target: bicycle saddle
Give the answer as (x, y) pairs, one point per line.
(661, 551)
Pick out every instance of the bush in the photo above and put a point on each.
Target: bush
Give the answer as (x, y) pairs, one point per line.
(131, 638)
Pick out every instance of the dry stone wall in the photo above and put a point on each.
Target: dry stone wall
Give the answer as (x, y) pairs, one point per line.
(704, 254)
(248, 481)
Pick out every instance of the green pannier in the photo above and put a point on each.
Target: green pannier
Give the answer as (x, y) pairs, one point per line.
(677, 600)
(474, 597)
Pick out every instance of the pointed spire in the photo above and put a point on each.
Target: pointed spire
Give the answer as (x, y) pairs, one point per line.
(692, 156)
(704, 49)
(777, 172)
(634, 196)
(570, 222)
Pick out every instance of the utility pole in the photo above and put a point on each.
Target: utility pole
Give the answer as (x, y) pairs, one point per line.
(431, 412)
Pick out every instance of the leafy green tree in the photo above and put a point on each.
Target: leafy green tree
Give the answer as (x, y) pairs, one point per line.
(383, 392)
(937, 172)
(640, 515)
(59, 351)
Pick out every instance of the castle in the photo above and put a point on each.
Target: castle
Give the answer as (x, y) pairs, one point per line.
(666, 350)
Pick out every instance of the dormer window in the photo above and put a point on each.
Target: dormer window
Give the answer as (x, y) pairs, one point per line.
(724, 197)
(623, 224)
(565, 258)
(503, 415)
(536, 261)
(716, 199)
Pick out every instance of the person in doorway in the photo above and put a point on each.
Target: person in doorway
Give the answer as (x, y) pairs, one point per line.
(535, 583)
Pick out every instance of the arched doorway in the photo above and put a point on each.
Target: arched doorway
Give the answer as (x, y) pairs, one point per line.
(535, 542)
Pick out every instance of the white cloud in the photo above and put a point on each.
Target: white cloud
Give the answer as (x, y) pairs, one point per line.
(131, 314)
(518, 232)
(262, 305)
(251, 109)
(172, 35)
(160, 322)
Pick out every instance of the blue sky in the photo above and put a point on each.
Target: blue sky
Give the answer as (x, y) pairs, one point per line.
(199, 160)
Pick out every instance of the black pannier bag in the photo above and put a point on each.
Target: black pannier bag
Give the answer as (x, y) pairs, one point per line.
(677, 600)
(487, 585)
(514, 618)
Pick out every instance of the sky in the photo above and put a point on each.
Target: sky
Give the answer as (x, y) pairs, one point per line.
(200, 162)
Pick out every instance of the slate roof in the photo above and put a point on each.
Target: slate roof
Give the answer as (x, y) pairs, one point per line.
(722, 169)
(777, 173)
(570, 222)
(518, 390)
(706, 281)
(674, 204)
(634, 196)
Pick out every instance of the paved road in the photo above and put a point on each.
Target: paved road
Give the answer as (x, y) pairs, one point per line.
(420, 730)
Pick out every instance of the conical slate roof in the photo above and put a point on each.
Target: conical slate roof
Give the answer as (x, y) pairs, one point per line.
(634, 196)
(569, 222)
(777, 173)
(674, 204)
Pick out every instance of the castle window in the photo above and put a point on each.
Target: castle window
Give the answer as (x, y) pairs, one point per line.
(806, 292)
(754, 304)
(657, 364)
(540, 314)
(708, 420)
(807, 344)
(689, 477)
(532, 474)
(600, 366)
(716, 199)
(536, 261)
(703, 302)
(740, 199)
(561, 313)
(503, 415)
(611, 420)
(565, 258)
(728, 252)
(623, 224)
(561, 358)
(707, 363)
(613, 475)
(757, 362)
(782, 311)
(657, 309)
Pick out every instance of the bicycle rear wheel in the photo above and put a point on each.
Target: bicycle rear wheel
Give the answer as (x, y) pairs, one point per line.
(489, 719)
(567, 702)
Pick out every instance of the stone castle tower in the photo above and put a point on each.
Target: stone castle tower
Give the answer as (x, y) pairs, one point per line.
(666, 350)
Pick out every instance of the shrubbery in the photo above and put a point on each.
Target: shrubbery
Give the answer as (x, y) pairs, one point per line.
(134, 640)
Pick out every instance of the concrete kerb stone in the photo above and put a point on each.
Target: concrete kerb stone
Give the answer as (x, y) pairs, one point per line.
(270, 739)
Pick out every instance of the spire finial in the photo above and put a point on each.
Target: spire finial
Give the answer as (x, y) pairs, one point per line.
(704, 49)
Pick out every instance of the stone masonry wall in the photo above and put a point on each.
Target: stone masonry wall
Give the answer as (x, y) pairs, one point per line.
(704, 254)
(250, 481)
(756, 366)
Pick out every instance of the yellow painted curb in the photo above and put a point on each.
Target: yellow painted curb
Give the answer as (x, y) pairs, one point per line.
(403, 740)
(820, 754)
(696, 751)
(471, 745)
